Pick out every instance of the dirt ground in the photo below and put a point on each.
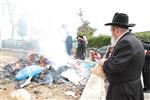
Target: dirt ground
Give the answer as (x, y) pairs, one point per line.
(40, 92)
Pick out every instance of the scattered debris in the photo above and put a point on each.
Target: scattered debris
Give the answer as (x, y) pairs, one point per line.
(72, 76)
(70, 93)
(21, 94)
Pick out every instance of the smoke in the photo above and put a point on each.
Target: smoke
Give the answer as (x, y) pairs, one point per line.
(44, 24)
(53, 47)
(51, 37)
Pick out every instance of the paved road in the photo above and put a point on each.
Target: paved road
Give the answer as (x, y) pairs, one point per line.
(94, 90)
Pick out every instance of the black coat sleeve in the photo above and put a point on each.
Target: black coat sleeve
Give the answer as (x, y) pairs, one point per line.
(119, 59)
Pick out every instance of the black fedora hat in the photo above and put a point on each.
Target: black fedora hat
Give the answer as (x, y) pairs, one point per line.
(121, 20)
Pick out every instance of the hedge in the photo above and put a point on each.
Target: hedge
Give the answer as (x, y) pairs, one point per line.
(103, 40)
(144, 36)
(97, 42)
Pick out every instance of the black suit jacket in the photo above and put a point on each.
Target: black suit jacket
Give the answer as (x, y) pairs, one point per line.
(126, 60)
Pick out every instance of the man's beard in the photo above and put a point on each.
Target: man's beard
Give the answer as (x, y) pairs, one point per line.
(113, 41)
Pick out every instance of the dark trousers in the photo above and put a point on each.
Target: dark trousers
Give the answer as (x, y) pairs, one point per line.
(131, 90)
(146, 80)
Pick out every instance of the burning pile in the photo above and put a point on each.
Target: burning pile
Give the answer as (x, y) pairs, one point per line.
(39, 69)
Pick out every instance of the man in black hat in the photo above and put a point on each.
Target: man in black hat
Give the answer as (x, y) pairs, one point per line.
(123, 68)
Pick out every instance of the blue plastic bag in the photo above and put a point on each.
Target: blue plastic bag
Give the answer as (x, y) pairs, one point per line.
(88, 65)
(29, 71)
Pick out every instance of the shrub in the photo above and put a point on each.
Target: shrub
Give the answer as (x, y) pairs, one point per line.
(99, 41)
(144, 36)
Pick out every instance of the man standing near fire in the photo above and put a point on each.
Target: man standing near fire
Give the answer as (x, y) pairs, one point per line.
(81, 48)
(123, 68)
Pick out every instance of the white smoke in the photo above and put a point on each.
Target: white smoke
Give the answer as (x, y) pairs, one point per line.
(45, 25)
(53, 47)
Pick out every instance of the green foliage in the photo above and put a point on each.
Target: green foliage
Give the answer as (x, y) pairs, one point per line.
(99, 41)
(144, 36)
(103, 40)
(86, 30)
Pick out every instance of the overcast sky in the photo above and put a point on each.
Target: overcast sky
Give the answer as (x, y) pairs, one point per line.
(47, 15)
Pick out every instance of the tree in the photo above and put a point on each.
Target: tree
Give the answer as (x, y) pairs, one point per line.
(85, 29)
(11, 8)
(22, 28)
